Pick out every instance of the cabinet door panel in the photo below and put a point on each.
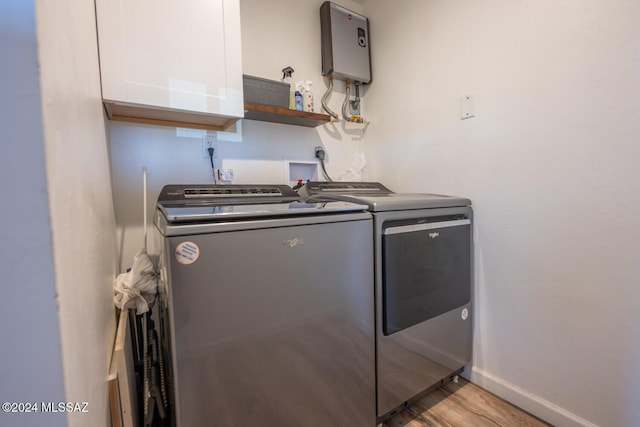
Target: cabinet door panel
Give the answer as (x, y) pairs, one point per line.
(174, 54)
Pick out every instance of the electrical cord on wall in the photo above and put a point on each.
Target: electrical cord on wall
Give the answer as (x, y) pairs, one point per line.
(320, 155)
(213, 169)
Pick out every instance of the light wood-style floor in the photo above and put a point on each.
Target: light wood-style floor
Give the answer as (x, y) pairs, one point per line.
(462, 405)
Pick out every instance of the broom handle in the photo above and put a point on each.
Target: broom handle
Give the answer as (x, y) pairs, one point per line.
(144, 204)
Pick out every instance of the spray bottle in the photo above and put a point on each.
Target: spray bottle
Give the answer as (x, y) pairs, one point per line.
(307, 96)
(298, 97)
(287, 73)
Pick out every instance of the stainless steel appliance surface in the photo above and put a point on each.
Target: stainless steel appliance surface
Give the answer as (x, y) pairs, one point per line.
(270, 307)
(423, 283)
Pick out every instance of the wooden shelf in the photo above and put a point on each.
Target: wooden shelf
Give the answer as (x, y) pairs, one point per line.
(271, 113)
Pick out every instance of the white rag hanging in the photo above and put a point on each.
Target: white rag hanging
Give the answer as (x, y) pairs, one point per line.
(137, 287)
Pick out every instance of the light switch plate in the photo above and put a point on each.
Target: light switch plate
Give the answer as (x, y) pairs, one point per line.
(467, 107)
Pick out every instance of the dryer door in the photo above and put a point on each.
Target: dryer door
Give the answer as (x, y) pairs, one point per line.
(426, 269)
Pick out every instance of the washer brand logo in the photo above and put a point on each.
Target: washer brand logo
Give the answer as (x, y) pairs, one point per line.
(292, 243)
(434, 234)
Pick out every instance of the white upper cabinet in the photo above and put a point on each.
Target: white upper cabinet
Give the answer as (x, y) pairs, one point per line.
(171, 62)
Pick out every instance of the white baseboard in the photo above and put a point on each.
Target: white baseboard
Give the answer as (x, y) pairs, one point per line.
(531, 403)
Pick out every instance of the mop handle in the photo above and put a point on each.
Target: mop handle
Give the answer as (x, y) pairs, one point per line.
(144, 204)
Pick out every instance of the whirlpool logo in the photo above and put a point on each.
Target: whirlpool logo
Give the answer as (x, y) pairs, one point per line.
(292, 243)
(434, 234)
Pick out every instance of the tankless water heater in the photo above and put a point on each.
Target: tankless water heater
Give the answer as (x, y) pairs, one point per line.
(345, 44)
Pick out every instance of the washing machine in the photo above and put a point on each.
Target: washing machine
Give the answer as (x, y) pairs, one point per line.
(269, 305)
(423, 257)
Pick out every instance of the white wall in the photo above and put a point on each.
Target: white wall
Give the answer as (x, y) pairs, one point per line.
(30, 360)
(80, 200)
(551, 163)
(274, 34)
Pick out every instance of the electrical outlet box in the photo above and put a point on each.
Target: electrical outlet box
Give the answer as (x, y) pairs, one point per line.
(320, 153)
(345, 43)
(209, 141)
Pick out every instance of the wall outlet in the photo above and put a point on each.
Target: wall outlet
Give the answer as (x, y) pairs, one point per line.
(209, 141)
(320, 153)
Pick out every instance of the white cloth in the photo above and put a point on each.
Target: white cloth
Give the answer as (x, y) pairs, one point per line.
(137, 287)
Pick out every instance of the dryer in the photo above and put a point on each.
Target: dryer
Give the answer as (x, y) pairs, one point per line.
(423, 257)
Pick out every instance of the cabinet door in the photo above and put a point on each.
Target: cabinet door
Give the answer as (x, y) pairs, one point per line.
(171, 54)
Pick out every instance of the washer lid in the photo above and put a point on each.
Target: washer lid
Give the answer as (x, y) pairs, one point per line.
(215, 203)
(217, 213)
